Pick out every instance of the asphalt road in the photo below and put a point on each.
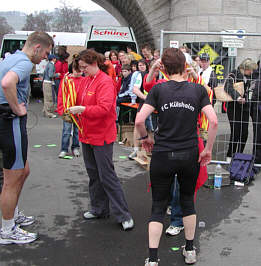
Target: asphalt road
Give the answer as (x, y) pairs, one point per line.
(57, 194)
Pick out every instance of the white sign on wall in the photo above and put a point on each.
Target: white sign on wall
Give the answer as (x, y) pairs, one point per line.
(232, 51)
(235, 41)
(234, 36)
(174, 44)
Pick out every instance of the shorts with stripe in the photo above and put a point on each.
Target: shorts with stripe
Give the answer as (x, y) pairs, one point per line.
(14, 142)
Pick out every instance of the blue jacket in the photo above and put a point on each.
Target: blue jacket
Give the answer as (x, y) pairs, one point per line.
(127, 88)
(49, 72)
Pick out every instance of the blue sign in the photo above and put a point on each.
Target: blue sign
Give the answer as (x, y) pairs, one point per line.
(240, 36)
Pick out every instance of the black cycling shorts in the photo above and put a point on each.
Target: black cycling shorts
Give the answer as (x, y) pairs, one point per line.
(14, 142)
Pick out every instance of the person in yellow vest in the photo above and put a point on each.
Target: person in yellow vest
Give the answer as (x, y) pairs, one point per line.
(133, 54)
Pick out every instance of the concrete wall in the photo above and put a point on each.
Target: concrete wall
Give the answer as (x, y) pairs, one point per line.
(130, 13)
(148, 17)
(218, 15)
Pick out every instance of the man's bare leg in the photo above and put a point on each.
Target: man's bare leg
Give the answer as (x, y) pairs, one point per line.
(13, 184)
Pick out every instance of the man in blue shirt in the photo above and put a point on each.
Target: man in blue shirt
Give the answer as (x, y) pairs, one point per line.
(14, 83)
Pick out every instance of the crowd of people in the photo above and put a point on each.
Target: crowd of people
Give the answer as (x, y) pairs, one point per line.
(88, 96)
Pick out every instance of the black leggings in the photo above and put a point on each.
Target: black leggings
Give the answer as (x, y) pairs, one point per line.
(238, 116)
(256, 119)
(164, 166)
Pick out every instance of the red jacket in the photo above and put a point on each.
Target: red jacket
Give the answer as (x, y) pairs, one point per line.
(98, 95)
(62, 68)
(117, 67)
(76, 81)
(111, 71)
(148, 85)
(118, 85)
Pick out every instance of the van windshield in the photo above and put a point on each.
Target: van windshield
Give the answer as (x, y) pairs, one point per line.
(103, 46)
(11, 46)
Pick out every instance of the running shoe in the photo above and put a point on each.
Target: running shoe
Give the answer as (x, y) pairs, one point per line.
(76, 152)
(16, 236)
(127, 225)
(62, 154)
(89, 215)
(189, 255)
(133, 155)
(151, 263)
(174, 230)
(23, 220)
(168, 211)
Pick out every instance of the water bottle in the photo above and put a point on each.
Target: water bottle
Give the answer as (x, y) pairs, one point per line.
(133, 99)
(218, 177)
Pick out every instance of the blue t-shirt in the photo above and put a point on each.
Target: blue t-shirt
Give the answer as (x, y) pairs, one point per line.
(22, 66)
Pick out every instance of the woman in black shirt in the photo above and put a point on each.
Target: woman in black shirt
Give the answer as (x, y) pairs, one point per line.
(178, 104)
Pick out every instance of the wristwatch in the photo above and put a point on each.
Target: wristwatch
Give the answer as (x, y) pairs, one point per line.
(145, 137)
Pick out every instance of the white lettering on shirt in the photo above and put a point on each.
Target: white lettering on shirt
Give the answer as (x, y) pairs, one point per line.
(166, 106)
(170, 105)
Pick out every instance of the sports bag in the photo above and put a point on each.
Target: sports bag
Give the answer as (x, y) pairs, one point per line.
(241, 167)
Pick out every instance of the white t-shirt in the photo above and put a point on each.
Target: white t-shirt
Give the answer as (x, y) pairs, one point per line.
(138, 81)
(206, 74)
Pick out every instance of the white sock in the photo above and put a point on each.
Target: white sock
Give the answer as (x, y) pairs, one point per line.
(136, 148)
(7, 225)
(16, 212)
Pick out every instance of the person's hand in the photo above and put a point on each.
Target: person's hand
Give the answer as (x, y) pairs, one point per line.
(157, 65)
(192, 72)
(205, 157)
(241, 100)
(147, 144)
(20, 109)
(78, 109)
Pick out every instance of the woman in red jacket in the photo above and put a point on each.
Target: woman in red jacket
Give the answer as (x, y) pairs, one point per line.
(61, 68)
(96, 102)
(115, 62)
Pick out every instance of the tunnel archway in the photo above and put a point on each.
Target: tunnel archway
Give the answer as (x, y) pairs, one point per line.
(129, 13)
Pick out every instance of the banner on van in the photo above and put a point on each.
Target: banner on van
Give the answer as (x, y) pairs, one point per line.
(111, 34)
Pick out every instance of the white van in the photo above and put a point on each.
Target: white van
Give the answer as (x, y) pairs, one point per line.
(106, 38)
(101, 38)
(11, 43)
(75, 42)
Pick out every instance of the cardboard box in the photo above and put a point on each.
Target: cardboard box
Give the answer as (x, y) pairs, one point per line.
(126, 135)
(143, 159)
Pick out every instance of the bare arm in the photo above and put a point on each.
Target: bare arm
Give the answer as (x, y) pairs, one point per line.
(192, 72)
(137, 86)
(137, 91)
(145, 111)
(8, 83)
(206, 154)
(156, 66)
